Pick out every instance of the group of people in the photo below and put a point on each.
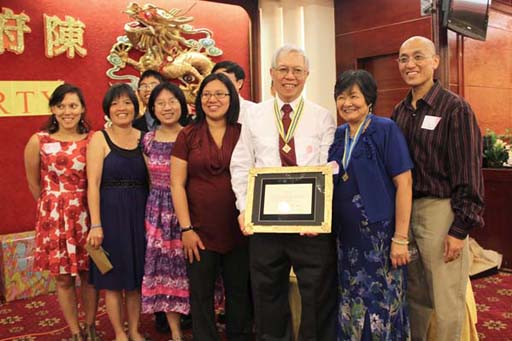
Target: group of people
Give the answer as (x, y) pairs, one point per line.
(164, 196)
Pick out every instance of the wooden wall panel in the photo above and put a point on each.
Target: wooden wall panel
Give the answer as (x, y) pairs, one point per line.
(506, 2)
(353, 16)
(368, 36)
(377, 41)
(455, 59)
(383, 67)
(387, 100)
(497, 234)
(391, 88)
(487, 81)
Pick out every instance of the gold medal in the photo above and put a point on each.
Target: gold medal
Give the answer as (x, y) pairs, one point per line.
(286, 138)
(345, 176)
(350, 144)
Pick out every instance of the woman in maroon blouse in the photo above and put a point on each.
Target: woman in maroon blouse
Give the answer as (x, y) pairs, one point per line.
(205, 206)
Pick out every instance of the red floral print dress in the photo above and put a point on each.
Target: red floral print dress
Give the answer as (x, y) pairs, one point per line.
(62, 218)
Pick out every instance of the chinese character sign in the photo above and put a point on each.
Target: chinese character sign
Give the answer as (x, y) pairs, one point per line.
(64, 36)
(12, 30)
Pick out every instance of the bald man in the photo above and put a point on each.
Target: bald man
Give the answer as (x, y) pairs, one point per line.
(446, 146)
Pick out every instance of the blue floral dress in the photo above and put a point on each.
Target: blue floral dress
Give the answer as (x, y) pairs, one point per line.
(371, 293)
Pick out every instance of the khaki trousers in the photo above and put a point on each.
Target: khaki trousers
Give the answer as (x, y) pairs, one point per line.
(435, 289)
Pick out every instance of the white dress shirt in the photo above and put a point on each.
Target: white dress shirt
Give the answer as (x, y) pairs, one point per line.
(258, 145)
(244, 107)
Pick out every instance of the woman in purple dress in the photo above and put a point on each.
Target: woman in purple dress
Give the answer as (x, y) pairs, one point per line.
(165, 282)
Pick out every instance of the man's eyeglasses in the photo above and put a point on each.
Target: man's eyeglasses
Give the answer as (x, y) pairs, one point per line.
(218, 95)
(416, 59)
(148, 87)
(298, 72)
(162, 104)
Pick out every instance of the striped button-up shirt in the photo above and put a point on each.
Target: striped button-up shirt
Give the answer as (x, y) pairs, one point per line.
(446, 146)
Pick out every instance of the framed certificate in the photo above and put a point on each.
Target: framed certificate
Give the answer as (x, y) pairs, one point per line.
(289, 200)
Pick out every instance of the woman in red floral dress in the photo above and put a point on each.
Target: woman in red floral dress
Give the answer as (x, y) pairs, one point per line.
(55, 170)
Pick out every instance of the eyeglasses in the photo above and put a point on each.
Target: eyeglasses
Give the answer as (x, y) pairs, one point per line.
(162, 104)
(298, 72)
(416, 59)
(147, 87)
(218, 95)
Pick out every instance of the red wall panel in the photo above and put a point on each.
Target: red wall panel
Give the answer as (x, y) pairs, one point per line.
(104, 22)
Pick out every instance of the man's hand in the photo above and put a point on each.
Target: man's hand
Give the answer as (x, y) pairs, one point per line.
(191, 245)
(452, 248)
(241, 222)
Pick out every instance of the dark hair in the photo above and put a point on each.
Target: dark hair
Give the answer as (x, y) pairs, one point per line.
(234, 101)
(363, 79)
(52, 125)
(151, 73)
(230, 67)
(176, 91)
(116, 91)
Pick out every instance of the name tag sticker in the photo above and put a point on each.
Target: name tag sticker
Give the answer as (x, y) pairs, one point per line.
(335, 167)
(51, 148)
(430, 122)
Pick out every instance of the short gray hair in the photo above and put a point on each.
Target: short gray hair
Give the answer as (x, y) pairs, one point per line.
(289, 48)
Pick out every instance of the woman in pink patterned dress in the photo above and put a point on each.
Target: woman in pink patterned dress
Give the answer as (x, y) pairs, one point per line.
(165, 282)
(55, 170)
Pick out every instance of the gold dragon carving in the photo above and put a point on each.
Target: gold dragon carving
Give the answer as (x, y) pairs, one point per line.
(164, 41)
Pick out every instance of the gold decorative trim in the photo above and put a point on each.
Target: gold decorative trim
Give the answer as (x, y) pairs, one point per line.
(323, 227)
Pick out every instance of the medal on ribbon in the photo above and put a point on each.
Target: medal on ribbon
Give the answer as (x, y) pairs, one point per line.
(350, 145)
(293, 124)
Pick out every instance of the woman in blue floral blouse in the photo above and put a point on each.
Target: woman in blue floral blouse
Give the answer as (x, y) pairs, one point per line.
(371, 212)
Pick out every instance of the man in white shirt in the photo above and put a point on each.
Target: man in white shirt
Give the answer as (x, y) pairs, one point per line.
(237, 76)
(313, 257)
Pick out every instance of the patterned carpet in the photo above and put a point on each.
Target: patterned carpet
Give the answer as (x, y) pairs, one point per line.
(40, 319)
(493, 297)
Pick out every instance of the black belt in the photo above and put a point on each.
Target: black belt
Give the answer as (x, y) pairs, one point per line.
(419, 195)
(123, 183)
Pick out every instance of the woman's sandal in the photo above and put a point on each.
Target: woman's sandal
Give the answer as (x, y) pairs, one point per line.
(76, 337)
(90, 333)
(146, 338)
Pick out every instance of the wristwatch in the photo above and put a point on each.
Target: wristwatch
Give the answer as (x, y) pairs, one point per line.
(188, 228)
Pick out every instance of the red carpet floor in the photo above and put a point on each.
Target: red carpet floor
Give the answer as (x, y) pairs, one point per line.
(40, 318)
(493, 297)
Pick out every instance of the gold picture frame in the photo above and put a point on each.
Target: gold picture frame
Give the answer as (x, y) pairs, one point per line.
(289, 200)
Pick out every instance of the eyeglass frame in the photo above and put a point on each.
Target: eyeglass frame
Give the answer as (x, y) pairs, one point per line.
(205, 96)
(163, 104)
(148, 87)
(413, 58)
(297, 72)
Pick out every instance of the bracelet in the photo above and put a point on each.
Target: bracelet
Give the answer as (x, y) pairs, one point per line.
(400, 241)
(95, 226)
(401, 235)
(186, 229)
